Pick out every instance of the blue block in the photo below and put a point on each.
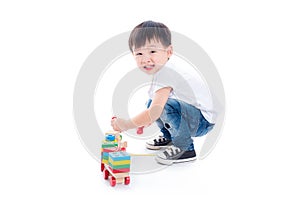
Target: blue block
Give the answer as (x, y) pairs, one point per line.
(110, 138)
(119, 155)
(105, 154)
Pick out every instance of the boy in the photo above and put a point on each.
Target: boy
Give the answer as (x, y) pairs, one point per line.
(181, 103)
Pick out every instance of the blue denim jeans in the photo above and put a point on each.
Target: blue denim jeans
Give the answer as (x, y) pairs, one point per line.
(180, 122)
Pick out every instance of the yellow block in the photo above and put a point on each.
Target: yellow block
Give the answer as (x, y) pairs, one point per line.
(119, 162)
(105, 161)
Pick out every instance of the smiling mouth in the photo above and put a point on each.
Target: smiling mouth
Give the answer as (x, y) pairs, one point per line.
(148, 67)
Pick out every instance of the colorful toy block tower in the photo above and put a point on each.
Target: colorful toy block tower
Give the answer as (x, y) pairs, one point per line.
(117, 170)
(119, 162)
(111, 143)
(108, 145)
(115, 161)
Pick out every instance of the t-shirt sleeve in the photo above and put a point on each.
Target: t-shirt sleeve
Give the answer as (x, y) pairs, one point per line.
(168, 77)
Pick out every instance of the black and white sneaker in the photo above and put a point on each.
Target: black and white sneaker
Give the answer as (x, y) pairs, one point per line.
(175, 155)
(158, 143)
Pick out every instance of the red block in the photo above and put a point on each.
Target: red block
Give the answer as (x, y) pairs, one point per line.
(110, 149)
(124, 170)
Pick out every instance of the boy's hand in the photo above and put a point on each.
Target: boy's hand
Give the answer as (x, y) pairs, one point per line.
(119, 124)
(114, 125)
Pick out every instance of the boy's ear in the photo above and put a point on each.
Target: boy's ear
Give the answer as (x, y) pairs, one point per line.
(170, 50)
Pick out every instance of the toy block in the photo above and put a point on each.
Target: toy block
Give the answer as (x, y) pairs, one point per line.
(110, 137)
(117, 134)
(118, 171)
(108, 144)
(119, 155)
(111, 149)
(119, 166)
(104, 157)
(115, 161)
(104, 161)
(120, 162)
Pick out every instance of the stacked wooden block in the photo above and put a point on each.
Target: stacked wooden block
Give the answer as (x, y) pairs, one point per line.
(110, 144)
(115, 161)
(119, 162)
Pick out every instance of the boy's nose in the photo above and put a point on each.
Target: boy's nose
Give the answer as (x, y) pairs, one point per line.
(146, 59)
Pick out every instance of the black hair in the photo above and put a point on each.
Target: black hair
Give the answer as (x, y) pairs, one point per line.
(148, 30)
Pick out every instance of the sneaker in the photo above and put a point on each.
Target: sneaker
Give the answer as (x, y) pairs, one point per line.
(175, 155)
(158, 143)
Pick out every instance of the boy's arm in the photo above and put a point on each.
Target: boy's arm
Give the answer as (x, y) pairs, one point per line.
(147, 116)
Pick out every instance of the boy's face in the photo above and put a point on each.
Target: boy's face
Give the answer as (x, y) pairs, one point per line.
(152, 57)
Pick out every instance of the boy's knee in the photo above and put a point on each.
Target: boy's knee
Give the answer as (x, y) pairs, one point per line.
(171, 114)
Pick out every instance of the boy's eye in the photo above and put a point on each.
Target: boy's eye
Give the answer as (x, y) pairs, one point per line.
(153, 51)
(138, 54)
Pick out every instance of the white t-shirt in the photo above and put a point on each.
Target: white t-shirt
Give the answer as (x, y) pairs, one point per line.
(187, 85)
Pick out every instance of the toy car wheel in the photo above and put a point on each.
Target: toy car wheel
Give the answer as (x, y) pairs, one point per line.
(112, 181)
(102, 167)
(126, 180)
(105, 174)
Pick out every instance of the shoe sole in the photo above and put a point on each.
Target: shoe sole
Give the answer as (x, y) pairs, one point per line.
(151, 147)
(170, 162)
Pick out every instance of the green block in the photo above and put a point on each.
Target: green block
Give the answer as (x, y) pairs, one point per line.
(109, 144)
(119, 166)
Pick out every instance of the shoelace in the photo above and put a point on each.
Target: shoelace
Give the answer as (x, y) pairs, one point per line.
(160, 139)
(171, 151)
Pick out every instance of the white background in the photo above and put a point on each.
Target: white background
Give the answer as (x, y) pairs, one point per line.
(254, 45)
